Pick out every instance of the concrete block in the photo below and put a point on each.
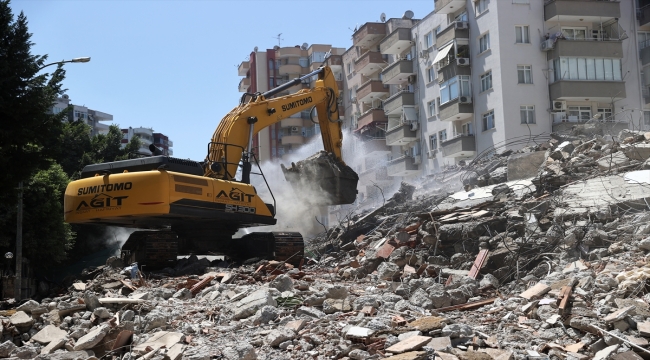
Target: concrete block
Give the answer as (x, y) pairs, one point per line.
(524, 166)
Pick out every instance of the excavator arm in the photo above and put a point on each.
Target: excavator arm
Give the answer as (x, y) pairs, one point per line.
(232, 141)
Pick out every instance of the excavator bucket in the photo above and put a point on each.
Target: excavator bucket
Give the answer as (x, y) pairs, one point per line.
(323, 180)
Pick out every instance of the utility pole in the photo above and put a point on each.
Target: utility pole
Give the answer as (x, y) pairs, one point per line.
(19, 245)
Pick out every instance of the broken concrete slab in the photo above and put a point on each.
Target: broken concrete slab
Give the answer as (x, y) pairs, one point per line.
(411, 344)
(91, 339)
(160, 339)
(53, 346)
(428, 323)
(524, 166)
(247, 306)
(440, 343)
(21, 321)
(48, 334)
(412, 355)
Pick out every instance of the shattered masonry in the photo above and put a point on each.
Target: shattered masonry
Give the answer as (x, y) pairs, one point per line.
(534, 254)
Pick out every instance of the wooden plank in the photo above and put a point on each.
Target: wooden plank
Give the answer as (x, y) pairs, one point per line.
(467, 306)
(478, 263)
(563, 298)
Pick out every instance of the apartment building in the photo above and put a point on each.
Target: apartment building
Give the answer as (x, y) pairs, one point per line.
(478, 76)
(265, 70)
(93, 118)
(147, 137)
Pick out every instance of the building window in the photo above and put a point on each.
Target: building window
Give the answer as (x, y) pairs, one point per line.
(437, 30)
(428, 40)
(467, 129)
(432, 107)
(349, 68)
(646, 119)
(644, 39)
(570, 68)
(524, 74)
(580, 113)
(442, 135)
(521, 34)
(484, 43)
(527, 114)
(271, 64)
(433, 140)
(488, 120)
(461, 17)
(574, 33)
(605, 114)
(431, 74)
(303, 61)
(80, 115)
(486, 81)
(455, 87)
(480, 6)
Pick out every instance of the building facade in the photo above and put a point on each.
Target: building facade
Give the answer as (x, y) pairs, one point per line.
(475, 77)
(265, 70)
(93, 118)
(147, 137)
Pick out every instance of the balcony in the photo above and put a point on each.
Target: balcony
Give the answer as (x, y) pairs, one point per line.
(400, 135)
(393, 105)
(586, 48)
(335, 62)
(242, 70)
(398, 72)
(402, 166)
(448, 6)
(397, 42)
(376, 174)
(371, 117)
(370, 90)
(454, 110)
(292, 140)
(369, 63)
(290, 69)
(291, 122)
(581, 10)
(369, 34)
(244, 84)
(576, 90)
(450, 69)
(645, 56)
(287, 52)
(643, 14)
(460, 146)
(376, 147)
(455, 31)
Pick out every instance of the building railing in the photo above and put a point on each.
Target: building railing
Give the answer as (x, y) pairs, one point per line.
(552, 1)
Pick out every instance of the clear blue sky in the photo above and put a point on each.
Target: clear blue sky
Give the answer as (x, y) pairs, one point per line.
(171, 65)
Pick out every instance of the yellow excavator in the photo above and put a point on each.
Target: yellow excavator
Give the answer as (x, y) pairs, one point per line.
(191, 207)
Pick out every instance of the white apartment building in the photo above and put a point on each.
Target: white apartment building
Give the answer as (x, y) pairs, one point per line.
(91, 117)
(476, 76)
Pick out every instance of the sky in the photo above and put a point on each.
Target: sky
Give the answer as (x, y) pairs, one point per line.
(172, 65)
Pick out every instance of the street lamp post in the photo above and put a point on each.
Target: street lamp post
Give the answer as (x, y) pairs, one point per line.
(19, 216)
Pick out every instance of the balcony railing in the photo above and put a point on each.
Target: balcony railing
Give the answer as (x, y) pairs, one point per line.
(573, 10)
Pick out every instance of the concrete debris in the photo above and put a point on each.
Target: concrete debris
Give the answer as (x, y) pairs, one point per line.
(538, 253)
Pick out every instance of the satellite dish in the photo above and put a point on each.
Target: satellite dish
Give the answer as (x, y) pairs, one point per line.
(276, 47)
(255, 49)
(382, 17)
(65, 96)
(408, 15)
(304, 46)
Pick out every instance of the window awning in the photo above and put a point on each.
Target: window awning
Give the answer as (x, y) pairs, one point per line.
(410, 114)
(442, 53)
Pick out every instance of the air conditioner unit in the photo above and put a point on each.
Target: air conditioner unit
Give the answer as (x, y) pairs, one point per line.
(417, 159)
(354, 99)
(461, 25)
(294, 129)
(424, 54)
(559, 105)
(548, 45)
(465, 100)
(596, 35)
(411, 79)
(462, 61)
(432, 153)
(414, 126)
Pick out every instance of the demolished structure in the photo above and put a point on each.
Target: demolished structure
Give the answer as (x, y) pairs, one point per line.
(540, 254)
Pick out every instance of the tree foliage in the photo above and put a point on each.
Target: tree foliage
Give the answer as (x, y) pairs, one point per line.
(28, 130)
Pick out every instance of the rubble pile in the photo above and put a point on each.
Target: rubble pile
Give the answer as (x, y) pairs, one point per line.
(542, 255)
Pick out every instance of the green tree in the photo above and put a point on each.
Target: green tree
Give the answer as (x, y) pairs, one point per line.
(46, 237)
(28, 130)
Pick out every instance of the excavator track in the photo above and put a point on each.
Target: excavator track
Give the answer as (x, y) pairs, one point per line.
(158, 249)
